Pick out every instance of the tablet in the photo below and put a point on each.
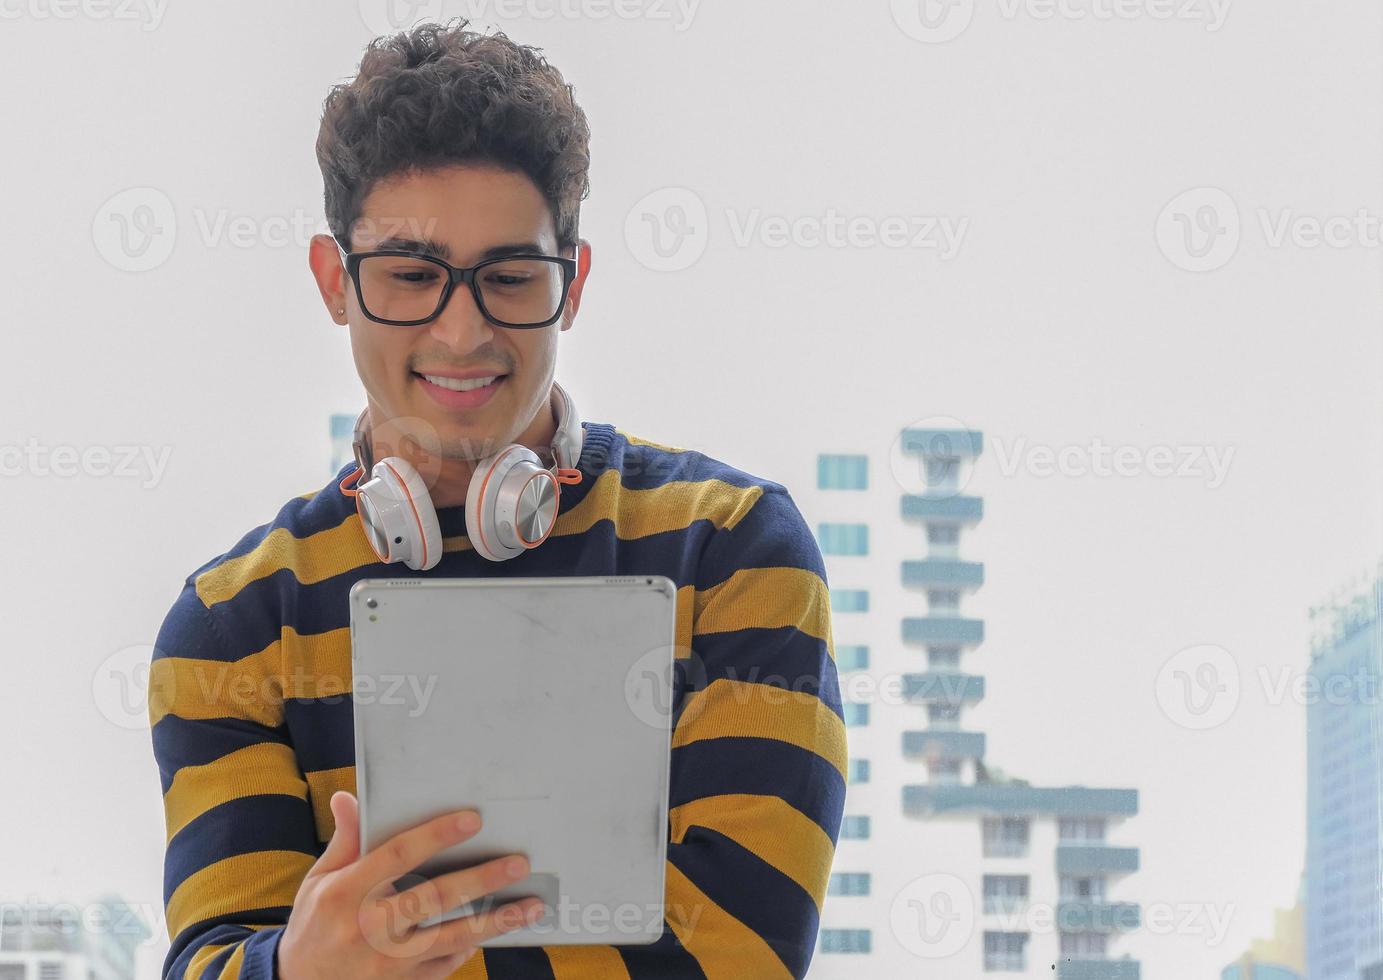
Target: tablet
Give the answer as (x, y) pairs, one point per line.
(543, 703)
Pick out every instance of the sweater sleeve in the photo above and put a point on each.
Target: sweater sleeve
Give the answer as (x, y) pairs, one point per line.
(759, 752)
(240, 834)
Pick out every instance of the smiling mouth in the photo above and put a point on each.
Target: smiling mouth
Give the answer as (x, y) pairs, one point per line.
(459, 384)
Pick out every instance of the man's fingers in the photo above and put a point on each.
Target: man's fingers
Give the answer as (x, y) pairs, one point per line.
(456, 888)
(344, 846)
(407, 850)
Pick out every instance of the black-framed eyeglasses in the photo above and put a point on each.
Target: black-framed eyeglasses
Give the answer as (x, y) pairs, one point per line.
(408, 289)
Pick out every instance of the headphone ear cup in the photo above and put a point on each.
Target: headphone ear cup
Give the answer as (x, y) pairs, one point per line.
(511, 503)
(401, 517)
(480, 495)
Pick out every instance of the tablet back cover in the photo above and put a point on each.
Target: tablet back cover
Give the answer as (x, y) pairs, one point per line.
(545, 704)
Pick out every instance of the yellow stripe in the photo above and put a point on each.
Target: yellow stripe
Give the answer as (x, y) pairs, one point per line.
(581, 962)
(312, 559)
(743, 709)
(686, 612)
(723, 945)
(236, 884)
(317, 665)
(251, 687)
(767, 598)
(472, 969)
(335, 551)
(636, 441)
(321, 784)
(767, 827)
(256, 769)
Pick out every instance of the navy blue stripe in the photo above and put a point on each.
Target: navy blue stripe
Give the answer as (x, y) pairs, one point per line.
(217, 963)
(520, 963)
(216, 930)
(783, 657)
(323, 731)
(771, 904)
(666, 959)
(269, 822)
(182, 742)
(773, 534)
(764, 767)
(187, 631)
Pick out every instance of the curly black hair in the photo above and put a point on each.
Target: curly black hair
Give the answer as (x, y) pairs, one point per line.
(437, 95)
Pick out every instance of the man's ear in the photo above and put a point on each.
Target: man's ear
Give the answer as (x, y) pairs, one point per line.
(324, 260)
(583, 269)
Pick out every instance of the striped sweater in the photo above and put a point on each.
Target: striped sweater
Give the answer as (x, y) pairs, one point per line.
(251, 715)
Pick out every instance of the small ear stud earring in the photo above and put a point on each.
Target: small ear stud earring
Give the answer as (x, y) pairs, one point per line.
(340, 312)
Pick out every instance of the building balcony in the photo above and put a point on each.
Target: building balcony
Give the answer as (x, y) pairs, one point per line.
(1084, 915)
(947, 630)
(924, 745)
(943, 443)
(944, 573)
(1093, 859)
(941, 686)
(937, 509)
(1017, 799)
(1072, 969)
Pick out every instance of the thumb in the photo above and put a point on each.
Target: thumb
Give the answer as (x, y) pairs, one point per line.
(344, 846)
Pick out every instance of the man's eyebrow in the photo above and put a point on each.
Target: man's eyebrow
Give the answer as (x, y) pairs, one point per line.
(430, 246)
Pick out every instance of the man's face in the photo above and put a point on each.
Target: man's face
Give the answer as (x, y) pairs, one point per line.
(458, 214)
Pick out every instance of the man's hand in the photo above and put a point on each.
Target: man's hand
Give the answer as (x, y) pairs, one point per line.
(349, 921)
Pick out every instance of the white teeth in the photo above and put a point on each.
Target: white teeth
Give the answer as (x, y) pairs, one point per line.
(454, 384)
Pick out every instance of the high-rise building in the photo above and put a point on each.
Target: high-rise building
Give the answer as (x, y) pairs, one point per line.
(959, 869)
(62, 942)
(1344, 752)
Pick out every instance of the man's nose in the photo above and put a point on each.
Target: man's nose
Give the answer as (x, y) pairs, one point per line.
(461, 325)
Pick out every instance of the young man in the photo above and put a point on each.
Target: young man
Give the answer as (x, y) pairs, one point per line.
(466, 148)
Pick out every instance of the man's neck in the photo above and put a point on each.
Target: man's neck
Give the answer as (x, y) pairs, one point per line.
(449, 479)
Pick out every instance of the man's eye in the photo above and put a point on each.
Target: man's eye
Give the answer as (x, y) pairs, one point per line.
(506, 279)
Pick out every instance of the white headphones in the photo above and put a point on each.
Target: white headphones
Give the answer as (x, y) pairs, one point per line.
(511, 502)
